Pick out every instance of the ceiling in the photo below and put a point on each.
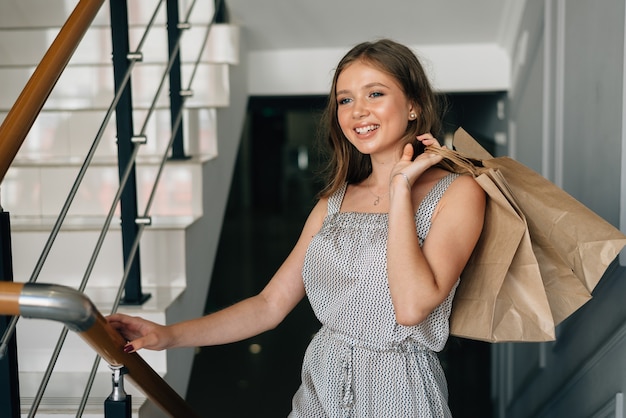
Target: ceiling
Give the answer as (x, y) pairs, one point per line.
(293, 45)
(303, 24)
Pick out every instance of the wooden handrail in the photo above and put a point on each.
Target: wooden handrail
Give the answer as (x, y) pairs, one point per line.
(62, 303)
(10, 298)
(22, 115)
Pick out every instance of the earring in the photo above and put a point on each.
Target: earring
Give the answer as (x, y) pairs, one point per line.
(412, 116)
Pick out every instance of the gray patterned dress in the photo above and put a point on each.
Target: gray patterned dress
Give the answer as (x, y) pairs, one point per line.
(362, 363)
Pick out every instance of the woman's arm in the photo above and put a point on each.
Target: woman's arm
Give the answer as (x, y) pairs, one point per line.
(420, 278)
(242, 320)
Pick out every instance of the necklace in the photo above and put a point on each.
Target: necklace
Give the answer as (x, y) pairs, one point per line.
(377, 201)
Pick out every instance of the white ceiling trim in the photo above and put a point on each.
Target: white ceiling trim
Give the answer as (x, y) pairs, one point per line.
(451, 68)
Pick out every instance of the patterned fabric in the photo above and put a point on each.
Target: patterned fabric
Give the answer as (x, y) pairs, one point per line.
(362, 363)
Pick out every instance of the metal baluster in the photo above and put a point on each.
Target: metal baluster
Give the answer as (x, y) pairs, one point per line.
(119, 403)
(125, 145)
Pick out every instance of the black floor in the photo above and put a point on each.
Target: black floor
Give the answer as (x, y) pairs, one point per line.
(258, 377)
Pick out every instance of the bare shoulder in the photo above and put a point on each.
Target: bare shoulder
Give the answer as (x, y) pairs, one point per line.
(467, 186)
(320, 209)
(462, 188)
(316, 217)
(465, 192)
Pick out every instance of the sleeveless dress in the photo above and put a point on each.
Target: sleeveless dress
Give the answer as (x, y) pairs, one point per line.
(362, 363)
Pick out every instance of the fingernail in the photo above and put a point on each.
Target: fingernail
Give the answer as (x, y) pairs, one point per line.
(128, 348)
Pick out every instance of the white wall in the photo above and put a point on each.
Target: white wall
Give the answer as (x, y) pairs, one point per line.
(460, 68)
(566, 108)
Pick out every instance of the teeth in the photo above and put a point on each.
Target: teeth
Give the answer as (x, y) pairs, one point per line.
(366, 129)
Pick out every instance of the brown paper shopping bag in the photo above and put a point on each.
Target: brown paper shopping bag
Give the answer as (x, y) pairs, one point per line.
(576, 243)
(501, 295)
(572, 245)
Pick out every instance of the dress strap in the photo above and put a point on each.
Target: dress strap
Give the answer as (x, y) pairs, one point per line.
(334, 201)
(429, 203)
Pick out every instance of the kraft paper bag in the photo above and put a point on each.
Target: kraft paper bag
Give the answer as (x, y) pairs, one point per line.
(573, 257)
(501, 295)
(572, 247)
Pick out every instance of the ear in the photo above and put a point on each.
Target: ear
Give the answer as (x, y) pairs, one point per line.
(413, 112)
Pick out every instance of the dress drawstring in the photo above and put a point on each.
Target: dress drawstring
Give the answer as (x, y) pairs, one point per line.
(406, 348)
(347, 394)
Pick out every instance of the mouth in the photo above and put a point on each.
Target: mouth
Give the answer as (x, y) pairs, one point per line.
(366, 129)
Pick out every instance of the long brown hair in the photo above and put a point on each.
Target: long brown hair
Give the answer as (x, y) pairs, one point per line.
(346, 162)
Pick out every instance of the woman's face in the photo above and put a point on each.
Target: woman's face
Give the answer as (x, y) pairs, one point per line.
(372, 110)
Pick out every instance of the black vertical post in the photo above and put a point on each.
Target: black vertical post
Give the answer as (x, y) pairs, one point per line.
(133, 294)
(221, 12)
(119, 403)
(9, 380)
(176, 100)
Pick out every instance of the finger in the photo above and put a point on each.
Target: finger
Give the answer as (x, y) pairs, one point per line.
(428, 139)
(119, 320)
(112, 318)
(427, 135)
(118, 317)
(127, 335)
(116, 325)
(433, 157)
(122, 326)
(407, 152)
(132, 346)
(135, 345)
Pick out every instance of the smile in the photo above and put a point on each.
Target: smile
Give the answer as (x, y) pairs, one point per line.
(366, 129)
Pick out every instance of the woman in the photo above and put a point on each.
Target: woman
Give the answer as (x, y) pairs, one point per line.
(379, 256)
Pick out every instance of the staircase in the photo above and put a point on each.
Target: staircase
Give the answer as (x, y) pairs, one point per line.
(178, 248)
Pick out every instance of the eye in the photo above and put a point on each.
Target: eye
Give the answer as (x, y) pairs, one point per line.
(375, 94)
(343, 100)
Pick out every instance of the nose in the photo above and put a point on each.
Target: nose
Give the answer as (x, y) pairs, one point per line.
(359, 109)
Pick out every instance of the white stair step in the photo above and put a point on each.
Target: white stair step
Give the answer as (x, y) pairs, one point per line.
(91, 87)
(162, 256)
(41, 191)
(64, 137)
(95, 46)
(30, 13)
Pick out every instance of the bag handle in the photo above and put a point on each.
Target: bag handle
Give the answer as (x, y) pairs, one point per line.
(456, 162)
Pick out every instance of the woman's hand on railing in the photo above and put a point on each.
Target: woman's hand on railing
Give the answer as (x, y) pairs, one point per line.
(140, 333)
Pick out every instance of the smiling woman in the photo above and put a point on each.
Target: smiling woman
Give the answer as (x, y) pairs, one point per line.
(381, 277)
(245, 384)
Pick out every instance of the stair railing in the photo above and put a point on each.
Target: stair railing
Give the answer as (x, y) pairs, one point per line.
(14, 130)
(78, 313)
